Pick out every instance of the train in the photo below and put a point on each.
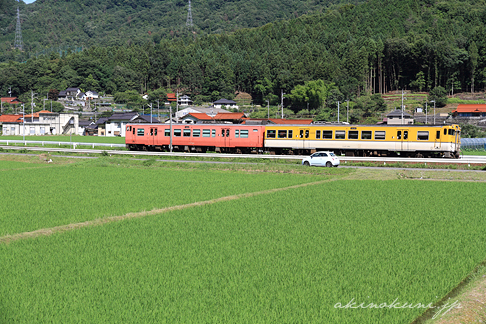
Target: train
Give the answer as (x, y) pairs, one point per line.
(343, 139)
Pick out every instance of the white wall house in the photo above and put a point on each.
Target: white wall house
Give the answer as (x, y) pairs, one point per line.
(43, 123)
(225, 103)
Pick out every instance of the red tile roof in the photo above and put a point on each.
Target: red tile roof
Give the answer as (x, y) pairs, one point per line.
(171, 97)
(10, 118)
(39, 112)
(200, 116)
(470, 108)
(11, 100)
(229, 116)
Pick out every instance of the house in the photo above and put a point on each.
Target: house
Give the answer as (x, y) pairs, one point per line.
(395, 118)
(225, 103)
(185, 100)
(10, 100)
(8, 119)
(101, 126)
(234, 118)
(90, 95)
(42, 123)
(470, 110)
(193, 118)
(211, 112)
(171, 97)
(116, 124)
(83, 125)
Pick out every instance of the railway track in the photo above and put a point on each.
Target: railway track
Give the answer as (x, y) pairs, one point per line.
(466, 159)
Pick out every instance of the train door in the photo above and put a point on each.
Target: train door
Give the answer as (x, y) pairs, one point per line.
(438, 136)
(402, 139)
(225, 133)
(130, 134)
(152, 136)
(304, 134)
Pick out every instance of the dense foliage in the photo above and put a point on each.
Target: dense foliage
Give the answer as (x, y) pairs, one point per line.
(369, 48)
(58, 23)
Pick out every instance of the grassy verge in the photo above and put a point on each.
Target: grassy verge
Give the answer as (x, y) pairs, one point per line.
(67, 138)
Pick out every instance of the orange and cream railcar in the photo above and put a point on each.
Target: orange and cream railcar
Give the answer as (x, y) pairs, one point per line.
(229, 138)
(365, 140)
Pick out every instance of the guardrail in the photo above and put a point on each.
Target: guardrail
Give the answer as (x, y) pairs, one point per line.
(73, 144)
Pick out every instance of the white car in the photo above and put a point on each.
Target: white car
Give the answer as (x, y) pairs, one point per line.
(327, 159)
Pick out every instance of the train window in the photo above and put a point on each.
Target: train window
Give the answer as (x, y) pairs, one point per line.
(196, 132)
(255, 130)
(128, 128)
(151, 132)
(451, 132)
(133, 131)
(227, 133)
(140, 132)
(405, 135)
(306, 133)
(340, 134)
(222, 132)
(327, 134)
(438, 135)
(237, 132)
(177, 132)
(422, 136)
(353, 135)
(318, 134)
(187, 133)
(445, 131)
(399, 134)
(206, 133)
(366, 135)
(167, 132)
(301, 133)
(380, 135)
(290, 133)
(244, 133)
(271, 133)
(282, 133)
(155, 132)
(213, 132)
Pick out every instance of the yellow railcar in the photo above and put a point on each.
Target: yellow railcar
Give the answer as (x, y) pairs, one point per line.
(365, 140)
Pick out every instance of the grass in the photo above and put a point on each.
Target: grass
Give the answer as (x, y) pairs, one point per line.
(86, 190)
(282, 257)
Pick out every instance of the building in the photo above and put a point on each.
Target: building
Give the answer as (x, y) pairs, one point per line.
(185, 100)
(193, 118)
(42, 123)
(395, 118)
(211, 112)
(10, 101)
(225, 103)
(469, 110)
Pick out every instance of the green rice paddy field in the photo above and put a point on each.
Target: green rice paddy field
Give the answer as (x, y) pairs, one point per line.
(287, 256)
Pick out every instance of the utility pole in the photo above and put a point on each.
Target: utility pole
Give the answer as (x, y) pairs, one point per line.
(177, 106)
(426, 113)
(338, 111)
(170, 120)
(281, 91)
(434, 109)
(268, 106)
(347, 112)
(189, 22)
(402, 106)
(32, 105)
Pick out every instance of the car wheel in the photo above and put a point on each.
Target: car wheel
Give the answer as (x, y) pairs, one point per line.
(306, 163)
(329, 164)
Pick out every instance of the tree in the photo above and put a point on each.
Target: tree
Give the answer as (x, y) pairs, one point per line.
(312, 93)
(473, 61)
(419, 82)
(439, 95)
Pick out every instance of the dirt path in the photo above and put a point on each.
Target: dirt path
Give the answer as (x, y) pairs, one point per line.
(100, 221)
